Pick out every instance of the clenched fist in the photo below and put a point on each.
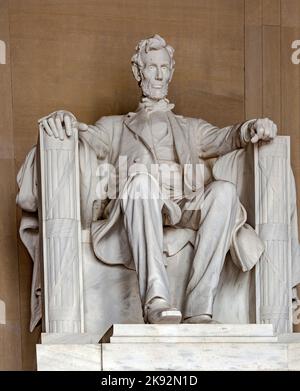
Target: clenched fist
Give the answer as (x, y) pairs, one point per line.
(61, 124)
(262, 129)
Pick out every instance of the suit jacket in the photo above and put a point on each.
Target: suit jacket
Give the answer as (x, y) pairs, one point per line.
(115, 136)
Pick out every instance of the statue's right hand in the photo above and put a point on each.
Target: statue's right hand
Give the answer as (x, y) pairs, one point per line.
(61, 124)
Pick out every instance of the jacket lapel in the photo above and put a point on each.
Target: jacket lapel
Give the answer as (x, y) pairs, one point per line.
(184, 150)
(138, 123)
(181, 141)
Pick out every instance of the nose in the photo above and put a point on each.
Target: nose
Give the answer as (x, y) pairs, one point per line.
(159, 74)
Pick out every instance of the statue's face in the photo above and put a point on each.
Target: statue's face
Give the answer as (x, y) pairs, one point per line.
(156, 73)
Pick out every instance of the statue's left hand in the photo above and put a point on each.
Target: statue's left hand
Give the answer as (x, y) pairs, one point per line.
(263, 129)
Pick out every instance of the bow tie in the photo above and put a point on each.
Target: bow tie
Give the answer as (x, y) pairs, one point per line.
(161, 105)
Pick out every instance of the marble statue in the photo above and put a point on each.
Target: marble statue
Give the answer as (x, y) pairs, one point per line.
(158, 182)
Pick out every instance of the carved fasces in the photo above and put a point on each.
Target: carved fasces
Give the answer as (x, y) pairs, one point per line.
(61, 229)
(272, 198)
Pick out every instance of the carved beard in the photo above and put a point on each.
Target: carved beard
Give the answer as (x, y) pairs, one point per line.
(153, 93)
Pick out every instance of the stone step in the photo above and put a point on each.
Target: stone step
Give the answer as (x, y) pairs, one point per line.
(169, 356)
(151, 347)
(188, 330)
(200, 356)
(191, 339)
(69, 338)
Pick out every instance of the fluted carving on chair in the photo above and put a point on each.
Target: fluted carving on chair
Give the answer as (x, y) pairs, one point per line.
(60, 213)
(273, 274)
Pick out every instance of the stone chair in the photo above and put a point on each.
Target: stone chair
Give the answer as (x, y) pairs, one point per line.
(83, 295)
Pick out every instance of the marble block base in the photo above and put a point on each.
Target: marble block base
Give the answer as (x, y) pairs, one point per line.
(69, 357)
(172, 347)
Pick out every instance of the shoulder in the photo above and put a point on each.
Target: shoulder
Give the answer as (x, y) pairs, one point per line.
(110, 121)
(199, 124)
(190, 122)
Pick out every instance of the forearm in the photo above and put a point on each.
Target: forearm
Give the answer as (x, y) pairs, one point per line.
(215, 142)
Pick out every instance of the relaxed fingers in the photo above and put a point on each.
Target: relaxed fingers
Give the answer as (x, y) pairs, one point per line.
(68, 125)
(47, 127)
(53, 127)
(59, 128)
(47, 130)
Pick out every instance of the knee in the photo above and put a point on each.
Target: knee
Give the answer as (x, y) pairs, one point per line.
(143, 186)
(225, 192)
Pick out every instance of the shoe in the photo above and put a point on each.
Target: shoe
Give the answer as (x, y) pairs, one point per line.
(159, 311)
(201, 319)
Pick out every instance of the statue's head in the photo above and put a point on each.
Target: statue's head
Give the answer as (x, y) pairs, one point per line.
(153, 66)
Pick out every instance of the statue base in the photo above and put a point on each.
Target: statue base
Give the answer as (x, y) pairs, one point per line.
(192, 347)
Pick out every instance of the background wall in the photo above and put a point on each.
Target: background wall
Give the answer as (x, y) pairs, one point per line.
(232, 62)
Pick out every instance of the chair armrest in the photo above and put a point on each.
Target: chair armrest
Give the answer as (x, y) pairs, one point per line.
(272, 223)
(59, 213)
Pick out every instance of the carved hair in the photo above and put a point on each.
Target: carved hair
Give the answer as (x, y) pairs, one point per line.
(153, 43)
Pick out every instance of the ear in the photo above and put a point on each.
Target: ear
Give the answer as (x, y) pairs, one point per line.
(136, 72)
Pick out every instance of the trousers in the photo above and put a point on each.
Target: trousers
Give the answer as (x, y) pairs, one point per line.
(211, 212)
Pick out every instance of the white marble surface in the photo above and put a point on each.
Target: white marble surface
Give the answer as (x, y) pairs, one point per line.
(60, 229)
(69, 338)
(294, 356)
(195, 356)
(273, 211)
(69, 357)
(192, 330)
(168, 356)
(172, 347)
(289, 338)
(190, 339)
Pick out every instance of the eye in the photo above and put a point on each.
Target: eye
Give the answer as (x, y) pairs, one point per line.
(151, 67)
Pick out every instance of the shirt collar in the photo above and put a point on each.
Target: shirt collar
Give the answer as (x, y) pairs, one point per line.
(150, 105)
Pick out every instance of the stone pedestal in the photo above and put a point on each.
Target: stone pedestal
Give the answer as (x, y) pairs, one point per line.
(172, 347)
